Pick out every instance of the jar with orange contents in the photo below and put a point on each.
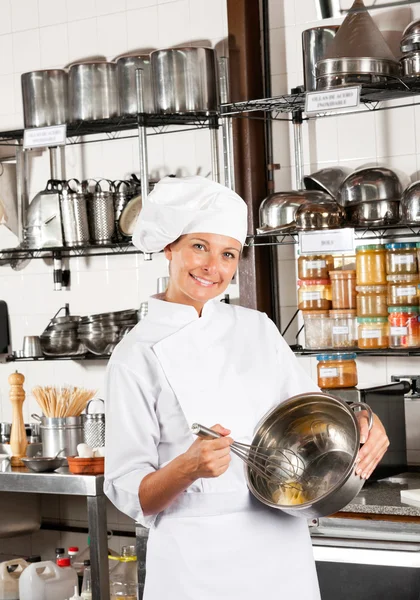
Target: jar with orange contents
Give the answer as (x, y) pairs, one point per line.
(404, 327)
(370, 265)
(373, 333)
(337, 370)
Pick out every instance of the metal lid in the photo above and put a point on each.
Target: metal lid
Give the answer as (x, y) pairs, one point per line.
(398, 309)
(338, 356)
(401, 246)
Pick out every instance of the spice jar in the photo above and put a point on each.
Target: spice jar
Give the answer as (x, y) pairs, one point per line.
(337, 370)
(314, 294)
(404, 327)
(372, 333)
(401, 259)
(402, 290)
(317, 329)
(370, 265)
(372, 301)
(315, 267)
(343, 328)
(343, 285)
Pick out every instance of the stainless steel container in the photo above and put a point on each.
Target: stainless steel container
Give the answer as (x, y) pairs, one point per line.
(126, 72)
(101, 214)
(93, 91)
(410, 204)
(377, 212)
(410, 64)
(184, 80)
(5, 429)
(74, 215)
(337, 72)
(94, 427)
(324, 433)
(315, 42)
(45, 97)
(61, 434)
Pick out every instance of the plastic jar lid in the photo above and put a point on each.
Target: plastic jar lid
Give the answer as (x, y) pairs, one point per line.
(372, 319)
(302, 282)
(408, 278)
(343, 312)
(372, 289)
(63, 562)
(342, 274)
(402, 309)
(402, 246)
(338, 356)
(315, 313)
(73, 549)
(370, 247)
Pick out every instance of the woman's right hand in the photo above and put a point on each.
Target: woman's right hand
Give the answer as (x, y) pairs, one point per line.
(207, 458)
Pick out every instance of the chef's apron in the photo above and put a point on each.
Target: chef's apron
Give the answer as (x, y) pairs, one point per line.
(218, 541)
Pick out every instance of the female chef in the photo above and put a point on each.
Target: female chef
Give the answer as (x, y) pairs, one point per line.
(194, 359)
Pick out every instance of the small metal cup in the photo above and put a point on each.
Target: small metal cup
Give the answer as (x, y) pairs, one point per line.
(31, 346)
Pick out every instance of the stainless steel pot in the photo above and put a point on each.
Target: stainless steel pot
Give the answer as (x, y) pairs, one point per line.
(369, 184)
(45, 97)
(323, 431)
(184, 80)
(61, 433)
(277, 211)
(410, 64)
(126, 72)
(93, 91)
(321, 212)
(379, 212)
(315, 42)
(327, 180)
(410, 204)
(337, 72)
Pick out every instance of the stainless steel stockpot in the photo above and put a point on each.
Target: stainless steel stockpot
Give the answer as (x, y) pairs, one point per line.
(315, 42)
(127, 87)
(93, 91)
(45, 97)
(410, 64)
(184, 80)
(328, 450)
(60, 433)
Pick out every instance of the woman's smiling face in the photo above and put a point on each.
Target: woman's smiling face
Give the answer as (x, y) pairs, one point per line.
(201, 267)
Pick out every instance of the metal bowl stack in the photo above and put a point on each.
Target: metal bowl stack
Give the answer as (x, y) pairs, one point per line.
(61, 338)
(101, 333)
(410, 47)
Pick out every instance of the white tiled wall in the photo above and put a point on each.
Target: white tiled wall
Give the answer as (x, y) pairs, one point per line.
(390, 137)
(52, 33)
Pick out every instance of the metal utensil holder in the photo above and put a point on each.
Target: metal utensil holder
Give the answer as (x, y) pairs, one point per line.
(74, 215)
(101, 214)
(94, 427)
(122, 195)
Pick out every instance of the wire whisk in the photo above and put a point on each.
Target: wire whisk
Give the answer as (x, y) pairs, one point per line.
(279, 466)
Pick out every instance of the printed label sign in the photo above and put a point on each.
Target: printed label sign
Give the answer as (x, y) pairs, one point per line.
(333, 100)
(45, 137)
(328, 372)
(331, 240)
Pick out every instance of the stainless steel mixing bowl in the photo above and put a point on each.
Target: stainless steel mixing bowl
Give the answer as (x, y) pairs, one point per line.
(327, 180)
(277, 211)
(368, 185)
(324, 433)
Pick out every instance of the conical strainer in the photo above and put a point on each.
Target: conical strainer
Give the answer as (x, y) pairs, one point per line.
(358, 53)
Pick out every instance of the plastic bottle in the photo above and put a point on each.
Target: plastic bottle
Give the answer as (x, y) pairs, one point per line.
(47, 581)
(59, 553)
(9, 581)
(76, 594)
(72, 552)
(87, 582)
(123, 579)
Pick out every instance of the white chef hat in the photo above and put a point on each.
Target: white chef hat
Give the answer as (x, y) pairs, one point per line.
(178, 206)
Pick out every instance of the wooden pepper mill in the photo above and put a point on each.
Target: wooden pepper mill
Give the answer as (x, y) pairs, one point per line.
(18, 440)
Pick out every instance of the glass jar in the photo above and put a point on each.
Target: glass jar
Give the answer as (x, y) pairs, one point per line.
(315, 267)
(404, 327)
(343, 285)
(401, 259)
(343, 329)
(370, 265)
(314, 294)
(317, 329)
(372, 300)
(402, 290)
(337, 370)
(373, 333)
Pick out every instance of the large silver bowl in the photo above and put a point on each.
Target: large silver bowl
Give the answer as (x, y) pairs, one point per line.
(323, 432)
(327, 180)
(369, 185)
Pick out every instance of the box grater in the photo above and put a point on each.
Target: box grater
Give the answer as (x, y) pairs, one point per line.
(94, 427)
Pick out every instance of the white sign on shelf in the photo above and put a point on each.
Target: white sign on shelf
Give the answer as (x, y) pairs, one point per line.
(326, 241)
(45, 137)
(319, 102)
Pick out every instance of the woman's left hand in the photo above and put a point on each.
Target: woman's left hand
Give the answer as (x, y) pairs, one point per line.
(375, 445)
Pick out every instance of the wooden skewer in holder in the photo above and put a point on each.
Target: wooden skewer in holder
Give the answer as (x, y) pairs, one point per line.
(18, 439)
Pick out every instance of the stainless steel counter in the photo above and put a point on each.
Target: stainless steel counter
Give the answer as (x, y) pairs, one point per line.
(63, 482)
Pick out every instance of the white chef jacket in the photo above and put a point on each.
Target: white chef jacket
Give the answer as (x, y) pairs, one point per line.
(229, 366)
